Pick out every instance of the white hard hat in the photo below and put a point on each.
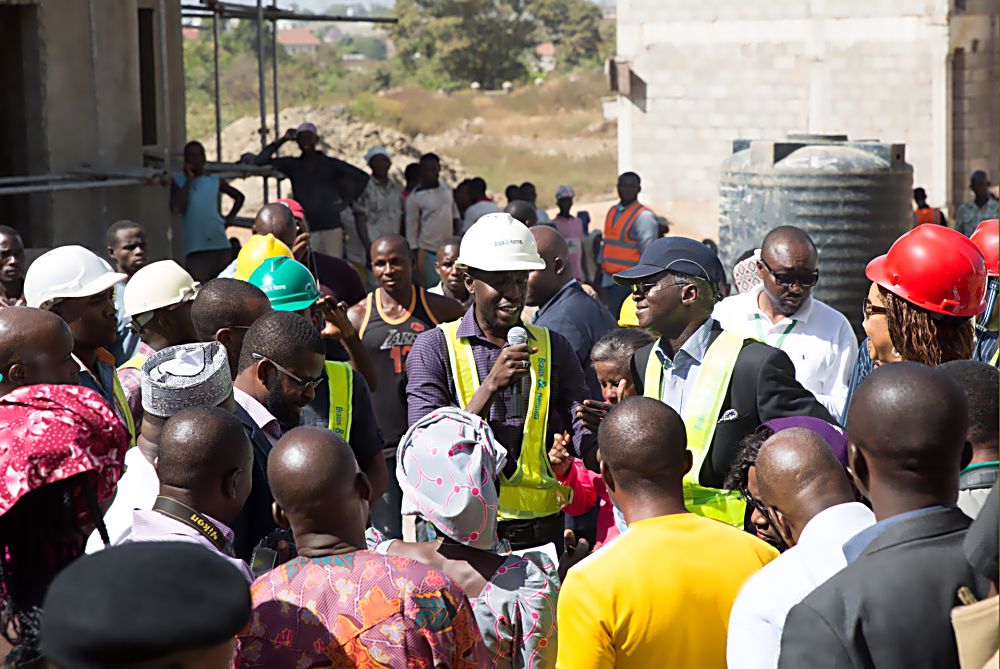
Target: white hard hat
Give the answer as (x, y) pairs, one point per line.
(65, 272)
(499, 243)
(157, 285)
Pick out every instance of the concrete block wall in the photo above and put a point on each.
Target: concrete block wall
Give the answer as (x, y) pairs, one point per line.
(718, 70)
(90, 118)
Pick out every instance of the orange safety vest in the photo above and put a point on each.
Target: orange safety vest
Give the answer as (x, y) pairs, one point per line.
(620, 252)
(927, 215)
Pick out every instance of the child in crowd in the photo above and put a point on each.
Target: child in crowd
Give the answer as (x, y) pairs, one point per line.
(610, 357)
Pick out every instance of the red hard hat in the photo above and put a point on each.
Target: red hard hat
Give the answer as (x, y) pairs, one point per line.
(935, 268)
(987, 238)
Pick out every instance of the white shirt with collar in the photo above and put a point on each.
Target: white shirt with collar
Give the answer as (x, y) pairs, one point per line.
(817, 338)
(267, 423)
(758, 614)
(681, 372)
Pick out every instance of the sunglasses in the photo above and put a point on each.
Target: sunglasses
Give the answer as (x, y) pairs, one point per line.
(643, 288)
(760, 506)
(870, 309)
(305, 383)
(788, 279)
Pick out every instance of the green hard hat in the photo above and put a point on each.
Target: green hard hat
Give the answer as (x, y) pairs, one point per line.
(287, 283)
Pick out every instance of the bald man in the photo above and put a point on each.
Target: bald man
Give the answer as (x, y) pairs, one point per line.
(322, 496)
(205, 466)
(889, 608)
(660, 594)
(563, 306)
(36, 346)
(782, 312)
(808, 499)
(523, 211)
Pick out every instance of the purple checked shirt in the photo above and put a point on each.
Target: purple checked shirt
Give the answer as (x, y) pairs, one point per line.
(431, 385)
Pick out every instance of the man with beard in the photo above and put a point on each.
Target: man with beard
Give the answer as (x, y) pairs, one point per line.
(280, 366)
(527, 388)
(781, 312)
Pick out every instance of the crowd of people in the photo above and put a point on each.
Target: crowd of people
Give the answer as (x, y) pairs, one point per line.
(488, 441)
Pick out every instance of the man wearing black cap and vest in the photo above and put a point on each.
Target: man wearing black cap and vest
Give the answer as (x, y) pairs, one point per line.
(722, 384)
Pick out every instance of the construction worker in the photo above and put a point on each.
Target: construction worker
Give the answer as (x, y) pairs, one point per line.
(629, 228)
(342, 401)
(388, 321)
(79, 287)
(924, 213)
(527, 392)
(925, 292)
(723, 384)
(158, 302)
(257, 249)
(987, 238)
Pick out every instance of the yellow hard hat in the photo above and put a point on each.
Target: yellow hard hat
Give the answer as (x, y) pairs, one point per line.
(258, 249)
(627, 317)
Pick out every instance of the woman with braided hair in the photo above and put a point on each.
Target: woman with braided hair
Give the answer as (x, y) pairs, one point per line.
(62, 451)
(925, 293)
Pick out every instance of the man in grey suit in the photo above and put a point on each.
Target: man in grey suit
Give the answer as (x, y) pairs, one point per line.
(890, 606)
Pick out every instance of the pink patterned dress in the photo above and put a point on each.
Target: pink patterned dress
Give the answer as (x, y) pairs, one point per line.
(361, 610)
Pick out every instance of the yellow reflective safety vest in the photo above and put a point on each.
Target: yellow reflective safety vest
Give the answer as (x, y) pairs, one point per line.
(533, 490)
(700, 418)
(995, 358)
(135, 362)
(340, 379)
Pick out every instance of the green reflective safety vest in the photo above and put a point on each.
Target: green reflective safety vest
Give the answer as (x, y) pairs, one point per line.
(135, 362)
(700, 418)
(995, 358)
(533, 490)
(340, 379)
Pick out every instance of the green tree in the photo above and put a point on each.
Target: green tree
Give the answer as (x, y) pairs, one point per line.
(574, 26)
(468, 40)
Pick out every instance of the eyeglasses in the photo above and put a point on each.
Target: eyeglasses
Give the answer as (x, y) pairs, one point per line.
(789, 278)
(643, 288)
(759, 505)
(305, 383)
(870, 309)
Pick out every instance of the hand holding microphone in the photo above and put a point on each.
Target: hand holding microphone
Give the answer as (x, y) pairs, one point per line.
(511, 367)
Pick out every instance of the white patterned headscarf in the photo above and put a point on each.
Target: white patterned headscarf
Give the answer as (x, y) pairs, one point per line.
(447, 465)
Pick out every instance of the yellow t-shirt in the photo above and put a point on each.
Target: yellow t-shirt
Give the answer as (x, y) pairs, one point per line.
(657, 596)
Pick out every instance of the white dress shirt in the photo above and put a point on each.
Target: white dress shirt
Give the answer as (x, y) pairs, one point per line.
(758, 614)
(817, 338)
(137, 489)
(681, 372)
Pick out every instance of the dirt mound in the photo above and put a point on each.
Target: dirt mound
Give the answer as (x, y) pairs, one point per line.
(341, 136)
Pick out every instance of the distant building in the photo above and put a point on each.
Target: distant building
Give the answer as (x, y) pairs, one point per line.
(693, 76)
(545, 57)
(298, 41)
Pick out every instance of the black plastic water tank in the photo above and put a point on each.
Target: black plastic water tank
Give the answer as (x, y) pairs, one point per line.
(852, 198)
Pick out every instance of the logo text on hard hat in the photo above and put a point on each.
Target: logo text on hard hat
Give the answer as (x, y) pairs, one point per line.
(508, 242)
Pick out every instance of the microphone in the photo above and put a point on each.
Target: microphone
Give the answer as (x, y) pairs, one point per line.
(517, 335)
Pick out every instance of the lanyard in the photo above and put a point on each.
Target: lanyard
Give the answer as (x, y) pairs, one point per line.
(184, 514)
(763, 337)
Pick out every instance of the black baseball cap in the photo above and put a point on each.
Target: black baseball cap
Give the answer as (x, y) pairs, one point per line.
(677, 254)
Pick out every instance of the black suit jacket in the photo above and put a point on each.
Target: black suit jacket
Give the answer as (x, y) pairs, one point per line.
(256, 519)
(762, 387)
(890, 608)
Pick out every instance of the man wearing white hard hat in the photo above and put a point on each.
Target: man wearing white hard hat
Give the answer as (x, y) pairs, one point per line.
(79, 287)
(527, 392)
(158, 302)
(319, 182)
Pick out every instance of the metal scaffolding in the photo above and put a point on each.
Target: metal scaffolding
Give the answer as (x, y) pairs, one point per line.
(216, 11)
